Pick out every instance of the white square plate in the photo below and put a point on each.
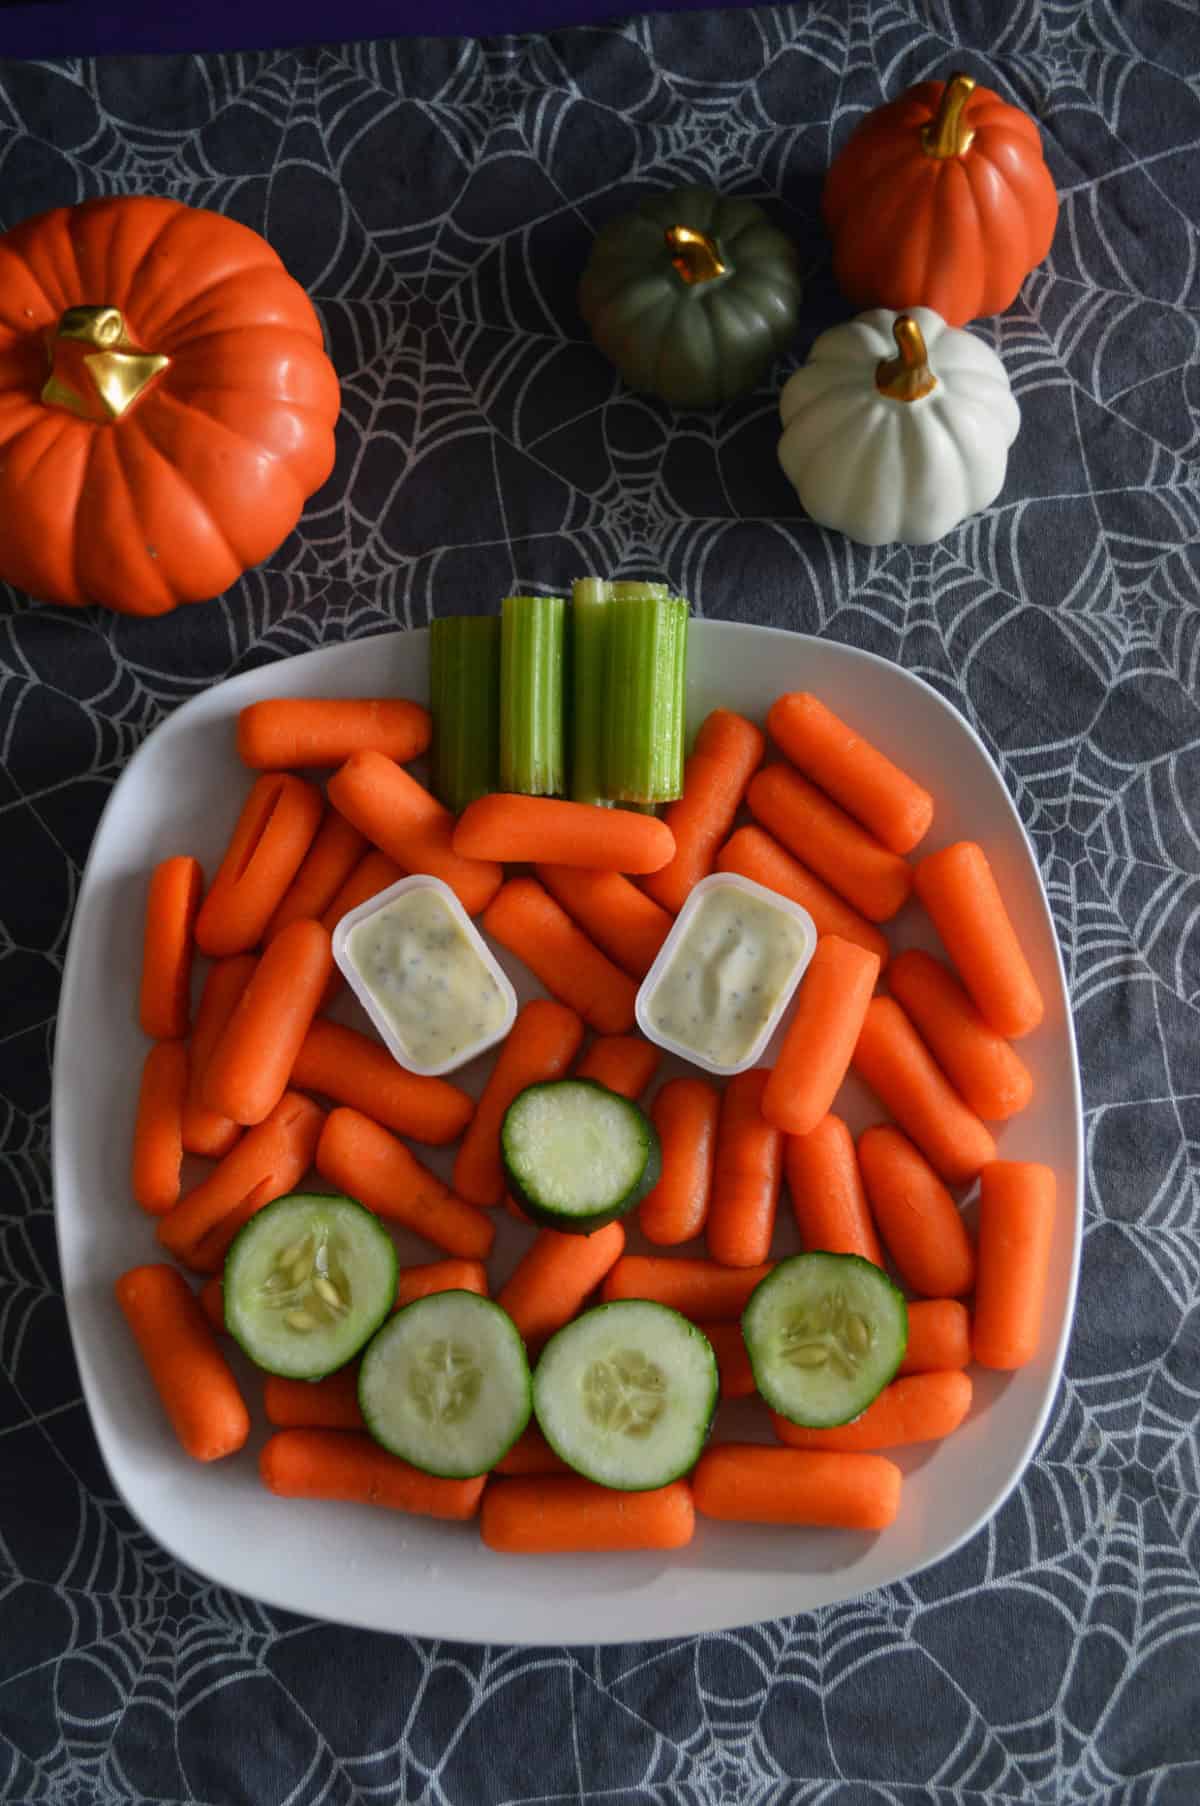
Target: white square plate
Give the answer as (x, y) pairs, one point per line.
(181, 793)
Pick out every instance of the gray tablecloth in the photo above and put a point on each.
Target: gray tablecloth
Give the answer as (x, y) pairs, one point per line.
(438, 200)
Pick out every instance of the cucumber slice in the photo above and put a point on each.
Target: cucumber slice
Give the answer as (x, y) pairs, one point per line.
(825, 1333)
(577, 1155)
(626, 1393)
(445, 1385)
(307, 1281)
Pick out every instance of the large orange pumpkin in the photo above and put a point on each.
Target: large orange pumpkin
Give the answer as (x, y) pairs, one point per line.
(940, 199)
(166, 404)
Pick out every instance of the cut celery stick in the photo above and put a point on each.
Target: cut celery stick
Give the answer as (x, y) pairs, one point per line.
(646, 694)
(589, 686)
(464, 699)
(532, 661)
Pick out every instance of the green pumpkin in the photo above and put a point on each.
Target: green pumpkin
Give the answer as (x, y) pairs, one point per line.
(691, 296)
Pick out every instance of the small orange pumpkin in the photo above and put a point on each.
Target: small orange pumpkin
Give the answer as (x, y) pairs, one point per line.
(166, 404)
(940, 199)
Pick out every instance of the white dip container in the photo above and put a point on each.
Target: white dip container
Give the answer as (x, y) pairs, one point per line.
(726, 973)
(425, 976)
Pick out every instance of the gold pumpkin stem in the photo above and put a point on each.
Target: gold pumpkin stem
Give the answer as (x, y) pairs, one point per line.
(907, 376)
(96, 370)
(694, 254)
(945, 135)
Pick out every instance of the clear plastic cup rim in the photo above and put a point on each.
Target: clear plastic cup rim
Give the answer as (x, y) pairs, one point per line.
(649, 984)
(383, 1028)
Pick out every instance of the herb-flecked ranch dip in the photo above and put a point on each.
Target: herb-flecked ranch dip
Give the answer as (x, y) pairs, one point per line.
(736, 958)
(427, 978)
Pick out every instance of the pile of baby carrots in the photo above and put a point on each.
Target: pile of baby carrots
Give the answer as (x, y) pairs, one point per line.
(262, 1083)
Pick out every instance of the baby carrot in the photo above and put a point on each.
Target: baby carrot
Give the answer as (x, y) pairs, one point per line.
(172, 902)
(531, 1454)
(555, 1275)
(288, 731)
(685, 1113)
(352, 1069)
(746, 1175)
(249, 1068)
(373, 873)
(896, 1064)
(404, 821)
(276, 1153)
(733, 1363)
(530, 924)
(828, 1199)
(624, 1063)
(916, 1216)
(212, 1302)
(328, 863)
(1016, 1223)
(349, 1465)
(873, 880)
(987, 1073)
(273, 833)
(753, 853)
(543, 1041)
(189, 1372)
(963, 901)
(328, 1404)
(562, 1514)
(698, 1289)
(922, 1408)
(745, 1483)
(208, 1254)
(939, 1336)
(622, 921)
(727, 753)
(888, 803)
(158, 1132)
(206, 1131)
(528, 828)
(362, 1159)
(827, 1017)
(441, 1276)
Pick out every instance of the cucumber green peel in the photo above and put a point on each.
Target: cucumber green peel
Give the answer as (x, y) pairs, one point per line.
(307, 1280)
(576, 1155)
(824, 1333)
(445, 1384)
(625, 1394)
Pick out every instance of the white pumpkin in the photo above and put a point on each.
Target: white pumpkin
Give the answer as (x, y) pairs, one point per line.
(897, 427)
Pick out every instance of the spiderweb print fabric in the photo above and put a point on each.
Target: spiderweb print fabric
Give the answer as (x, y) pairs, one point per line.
(438, 200)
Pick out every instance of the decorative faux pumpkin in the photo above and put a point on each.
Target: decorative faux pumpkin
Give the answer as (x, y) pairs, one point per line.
(940, 199)
(897, 427)
(691, 296)
(166, 404)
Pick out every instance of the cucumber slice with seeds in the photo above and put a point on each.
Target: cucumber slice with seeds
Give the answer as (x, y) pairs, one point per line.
(445, 1385)
(577, 1155)
(306, 1282)
(824, 1333)
(625, 1394)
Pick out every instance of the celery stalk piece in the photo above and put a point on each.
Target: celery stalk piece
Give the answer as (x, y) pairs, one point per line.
(532, 681)
(464, 698)
(589, 688)
(646, 697)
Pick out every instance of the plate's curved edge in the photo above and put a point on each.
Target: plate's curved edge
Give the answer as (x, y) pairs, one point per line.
(704, 1623)
(174, 722)
(1068, 1320)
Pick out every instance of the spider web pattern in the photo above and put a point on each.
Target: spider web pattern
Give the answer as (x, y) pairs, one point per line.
(437, 199)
